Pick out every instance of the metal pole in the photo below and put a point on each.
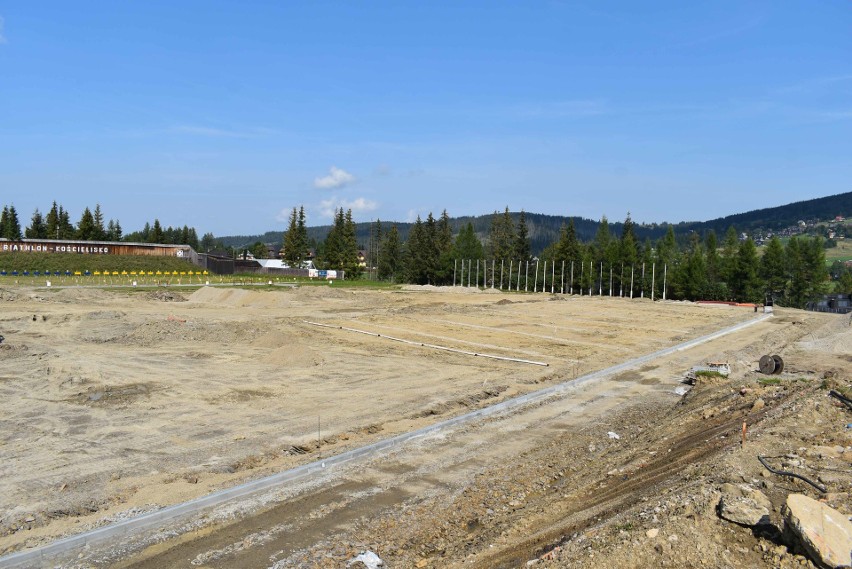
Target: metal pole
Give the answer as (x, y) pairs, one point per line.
(643, 280)
(501, 273)
(571, 286)
(591, 278)
(610, 279)
(552, 276)
(510, 275)
(477, 273)
(455, 264)
(469, 270)
(492, 273)
(653, 279)
(527, 277)
(600, 283)
(562, 289)
(665, 271)
(535, 280)
(582, 276)
(631, 280)
(621, 281)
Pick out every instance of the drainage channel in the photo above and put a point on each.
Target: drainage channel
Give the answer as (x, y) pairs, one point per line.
(39, 556)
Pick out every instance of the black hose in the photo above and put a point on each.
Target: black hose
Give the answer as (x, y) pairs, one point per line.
(792, 474)
(845, 400)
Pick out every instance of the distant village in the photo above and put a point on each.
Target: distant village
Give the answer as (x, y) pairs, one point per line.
(834, 229)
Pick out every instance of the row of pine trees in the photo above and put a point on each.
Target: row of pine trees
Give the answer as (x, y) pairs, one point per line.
(695, 268)
(56, 224)
(698, 267)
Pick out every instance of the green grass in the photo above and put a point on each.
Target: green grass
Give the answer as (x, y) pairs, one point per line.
(709, 373)
(843, 252)
(73, 262)
(769, 381)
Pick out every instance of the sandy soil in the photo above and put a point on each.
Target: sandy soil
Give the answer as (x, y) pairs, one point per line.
(121, 403)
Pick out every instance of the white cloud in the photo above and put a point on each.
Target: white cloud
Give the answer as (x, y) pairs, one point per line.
(2, 37)
(358, 205)
(337, 178)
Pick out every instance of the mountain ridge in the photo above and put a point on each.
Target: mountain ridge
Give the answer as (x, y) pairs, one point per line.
(544, 228)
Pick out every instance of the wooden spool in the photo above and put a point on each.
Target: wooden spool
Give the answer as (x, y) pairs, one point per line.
(779, 364)
(767, 365)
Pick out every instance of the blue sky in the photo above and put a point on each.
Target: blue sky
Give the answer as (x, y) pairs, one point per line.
(225, 115)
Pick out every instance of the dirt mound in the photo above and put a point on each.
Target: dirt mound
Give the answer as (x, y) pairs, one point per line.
(839, 342)
(165, 296)
(219, 296)
(241, 297)
(8, 295)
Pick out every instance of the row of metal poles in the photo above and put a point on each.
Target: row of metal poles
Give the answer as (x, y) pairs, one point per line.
(464, 269)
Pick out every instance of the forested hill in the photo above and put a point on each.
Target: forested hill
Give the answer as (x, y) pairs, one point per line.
(775, 218)
(544, 229)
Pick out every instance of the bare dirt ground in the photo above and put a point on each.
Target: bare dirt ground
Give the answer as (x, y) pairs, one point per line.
(116, 404)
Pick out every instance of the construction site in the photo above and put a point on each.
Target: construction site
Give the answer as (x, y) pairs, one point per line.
(417, 426)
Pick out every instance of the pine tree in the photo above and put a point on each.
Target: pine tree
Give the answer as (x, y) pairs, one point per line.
(628, 244)
(100, 231)
(429, 249)
(467, 245)
(773, 267)
(156, 234)
(350, 248)
(52, 222)
(813, 270)
(37, 229)
(116, 231)
(444, 244)
(603, 237)
(302, 233)
(746, 285)
(522, 249)
(208, 240)
(730, 246)
(690, 280)
(501, 238)
(4, 222)
(415, 254)
(376, 240)
(193, 238)
(716, 287)
(291, 241)
(14, 229)
(66, 228)
(86, 226)
(628, 252)
(390, 256)
(569, 249)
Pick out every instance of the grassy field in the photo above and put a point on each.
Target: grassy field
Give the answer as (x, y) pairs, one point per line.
(843, 252)
(72, 262)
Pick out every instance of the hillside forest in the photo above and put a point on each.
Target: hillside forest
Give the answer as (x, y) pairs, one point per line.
(701, 267)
